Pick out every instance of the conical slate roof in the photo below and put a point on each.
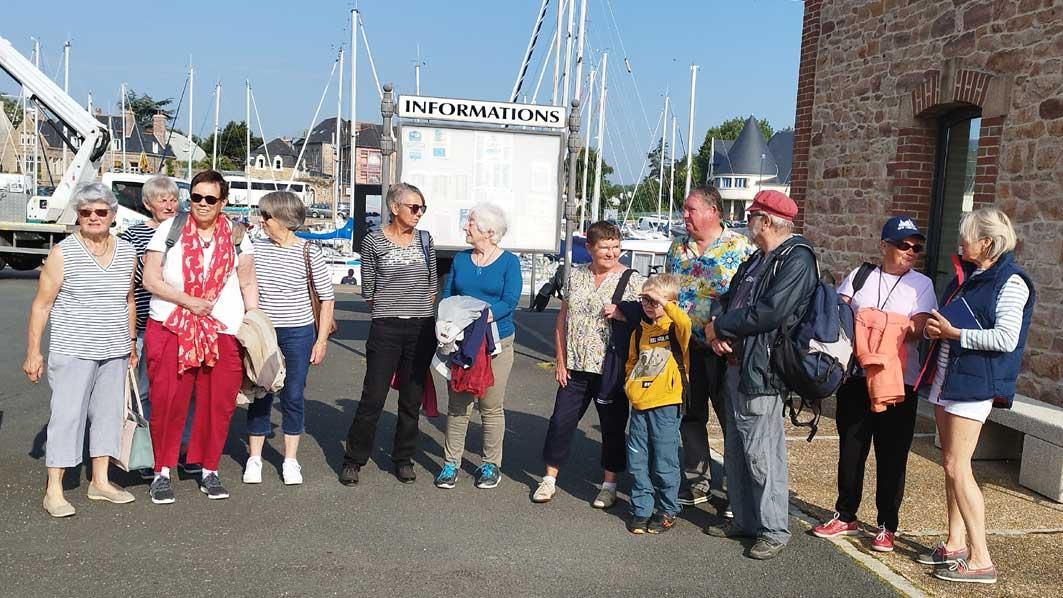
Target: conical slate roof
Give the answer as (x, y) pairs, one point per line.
(749, 154)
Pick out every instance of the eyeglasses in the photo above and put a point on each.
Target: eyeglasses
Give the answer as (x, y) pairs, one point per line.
(645, 300)
(210, 199)
(905, 246)
(100, 212)
(416, 208)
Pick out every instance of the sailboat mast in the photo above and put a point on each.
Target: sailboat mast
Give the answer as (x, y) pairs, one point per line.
(690, 126)
(336, 171)
(247, 141)
(557, 48)
(601, 140)
(587, 146)
(217, 110)
(191, 95)
(660, 157)
(66, 88)
(354, 120)
(566, 79)
(671, 182)
(125, 133)
(578, 81)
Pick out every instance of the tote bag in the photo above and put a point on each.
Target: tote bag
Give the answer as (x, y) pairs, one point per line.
(134, 450)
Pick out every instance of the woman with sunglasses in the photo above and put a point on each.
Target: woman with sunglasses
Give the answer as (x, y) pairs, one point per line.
(86, 289)
(972, 366)
(202, 280)
(285, 268)
(893, 287)
(399, 282)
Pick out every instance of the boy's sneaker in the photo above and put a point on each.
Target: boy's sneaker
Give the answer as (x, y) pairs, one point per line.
(941, 556)
(765, 549)
(161, 491)
(638, 525)
(883, 541)
(253, 470)
(211, 486)
(962, 572)
(291, 472)
(836, 527)
(489, 476)
(660, 522)
(448, 477)
(694, 494)
(544, 492)
(605, 499)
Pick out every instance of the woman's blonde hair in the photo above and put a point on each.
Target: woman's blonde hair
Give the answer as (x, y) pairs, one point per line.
(667, 285)
(989, 223)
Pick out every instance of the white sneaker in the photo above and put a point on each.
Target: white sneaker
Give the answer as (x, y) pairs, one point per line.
(544, 492)
(292, 472)
(253, 471)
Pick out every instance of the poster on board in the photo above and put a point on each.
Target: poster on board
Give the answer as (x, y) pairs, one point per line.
(457, 168)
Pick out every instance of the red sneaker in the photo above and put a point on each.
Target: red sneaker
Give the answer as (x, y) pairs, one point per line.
(835, 527)
(883, 541)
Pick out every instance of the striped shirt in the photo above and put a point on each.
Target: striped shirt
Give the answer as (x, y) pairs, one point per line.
(1002, 337)
(90, 315)
(282, 290)
(138, 235)
(396, 279)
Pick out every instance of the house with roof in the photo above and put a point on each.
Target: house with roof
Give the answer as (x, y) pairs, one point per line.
(748, 164)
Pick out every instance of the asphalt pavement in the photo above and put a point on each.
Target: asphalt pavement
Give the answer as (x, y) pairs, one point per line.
(380, 538)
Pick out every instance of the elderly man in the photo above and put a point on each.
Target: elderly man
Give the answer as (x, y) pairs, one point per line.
(159, 196)
(771, 289)
(705, 259)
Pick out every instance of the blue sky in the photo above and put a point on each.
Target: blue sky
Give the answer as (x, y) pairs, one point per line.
(747, 49)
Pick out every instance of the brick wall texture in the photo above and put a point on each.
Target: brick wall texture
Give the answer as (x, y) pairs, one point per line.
(875, 76)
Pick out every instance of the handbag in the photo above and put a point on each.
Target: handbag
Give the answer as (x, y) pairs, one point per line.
(315, 300)
(134, 450)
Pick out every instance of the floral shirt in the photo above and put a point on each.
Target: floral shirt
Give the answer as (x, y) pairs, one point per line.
(586, 331)
(706, 276)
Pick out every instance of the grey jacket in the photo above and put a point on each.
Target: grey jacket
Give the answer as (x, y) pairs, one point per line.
(780, 297)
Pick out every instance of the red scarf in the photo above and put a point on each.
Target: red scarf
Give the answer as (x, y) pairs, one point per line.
(197, 336)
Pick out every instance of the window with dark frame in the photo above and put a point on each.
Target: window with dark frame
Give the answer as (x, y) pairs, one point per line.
(953, 191)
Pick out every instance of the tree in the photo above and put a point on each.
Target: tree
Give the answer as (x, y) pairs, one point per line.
(13, 110)
(144, 107)
(728, 130)
(232, 142)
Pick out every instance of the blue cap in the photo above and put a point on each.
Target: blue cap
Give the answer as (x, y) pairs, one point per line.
(899, 228)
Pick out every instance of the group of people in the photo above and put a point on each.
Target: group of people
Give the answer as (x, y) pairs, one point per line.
(652, 354)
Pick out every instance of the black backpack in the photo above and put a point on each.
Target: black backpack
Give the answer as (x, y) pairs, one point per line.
(615, 360)
(677, 354)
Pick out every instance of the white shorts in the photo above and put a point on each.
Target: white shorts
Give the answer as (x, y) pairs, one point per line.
(976, 410)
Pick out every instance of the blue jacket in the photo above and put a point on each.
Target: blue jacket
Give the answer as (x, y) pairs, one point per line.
(982, 375)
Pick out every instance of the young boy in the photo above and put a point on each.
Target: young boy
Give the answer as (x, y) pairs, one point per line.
(655, 385)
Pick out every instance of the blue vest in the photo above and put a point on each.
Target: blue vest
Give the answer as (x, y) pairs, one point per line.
(982, 375)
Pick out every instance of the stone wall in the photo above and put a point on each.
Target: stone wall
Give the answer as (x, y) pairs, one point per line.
(876, 77)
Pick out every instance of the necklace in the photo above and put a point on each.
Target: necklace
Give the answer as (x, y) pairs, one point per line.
(106, 246)
(486, 261)
(206, 242)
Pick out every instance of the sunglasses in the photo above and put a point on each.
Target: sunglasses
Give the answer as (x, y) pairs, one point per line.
(905, 246)
(210, 199)
(100, 212)
(416, 208)
(264, 215)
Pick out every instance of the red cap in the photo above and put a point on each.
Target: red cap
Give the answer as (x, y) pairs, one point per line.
(775, 203)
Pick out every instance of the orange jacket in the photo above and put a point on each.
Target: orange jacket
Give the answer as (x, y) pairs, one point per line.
(880, 350)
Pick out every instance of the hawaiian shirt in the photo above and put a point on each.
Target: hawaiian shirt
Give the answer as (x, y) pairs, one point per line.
(587, 332)
(706, 276)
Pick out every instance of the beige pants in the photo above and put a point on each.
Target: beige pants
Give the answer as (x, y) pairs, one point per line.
(492, 415)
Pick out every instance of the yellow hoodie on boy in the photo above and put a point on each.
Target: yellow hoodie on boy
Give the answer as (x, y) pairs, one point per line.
(653, 378)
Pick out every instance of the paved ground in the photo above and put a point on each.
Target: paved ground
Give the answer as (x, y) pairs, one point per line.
(379, 538)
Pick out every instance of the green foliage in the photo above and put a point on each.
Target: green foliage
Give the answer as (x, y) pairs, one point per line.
(144, 107)
(231, 144)
(13, 110)
(224, 163)
(171, 168)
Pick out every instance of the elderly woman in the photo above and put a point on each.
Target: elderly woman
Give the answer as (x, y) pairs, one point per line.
(86, 289)
(893, 287)
(285, 267)
(581, 337)
(491, 274)
(160, 198)
(201, 275)
(399, 282)
(972, 366)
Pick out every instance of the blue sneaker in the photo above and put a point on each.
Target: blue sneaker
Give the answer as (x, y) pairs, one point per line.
(447, 477)
(489, 476)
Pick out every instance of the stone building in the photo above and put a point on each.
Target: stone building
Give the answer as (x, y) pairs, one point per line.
(933, 108)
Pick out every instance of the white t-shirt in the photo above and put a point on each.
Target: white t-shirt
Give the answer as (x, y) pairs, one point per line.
(911, 294)
(229, 309)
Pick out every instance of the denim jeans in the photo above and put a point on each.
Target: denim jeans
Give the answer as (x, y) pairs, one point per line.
(295, 344)
(653, 460)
